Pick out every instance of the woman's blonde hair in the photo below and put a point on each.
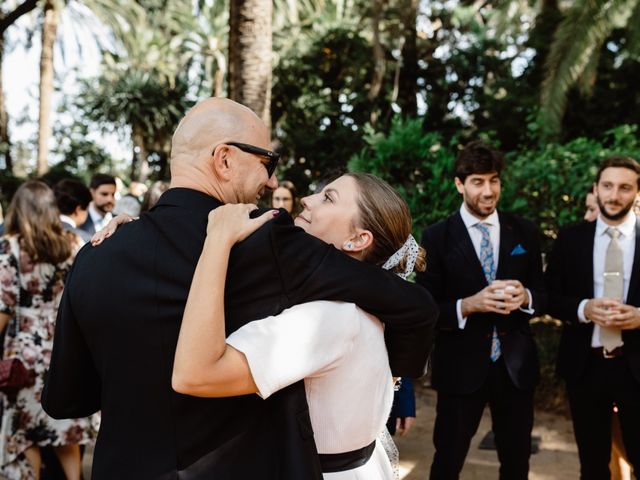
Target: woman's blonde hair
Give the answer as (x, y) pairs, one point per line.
(386, 215)
(34, 217)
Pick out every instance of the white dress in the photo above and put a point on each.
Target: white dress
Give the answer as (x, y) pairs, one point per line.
(339, 350)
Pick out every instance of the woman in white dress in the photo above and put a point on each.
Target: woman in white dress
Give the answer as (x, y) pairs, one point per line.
(337, 348)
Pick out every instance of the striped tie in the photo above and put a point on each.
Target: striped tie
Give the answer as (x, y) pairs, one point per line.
(489, 269)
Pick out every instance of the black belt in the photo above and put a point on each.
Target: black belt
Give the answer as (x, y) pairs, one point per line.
(340, 462)
(602, 353)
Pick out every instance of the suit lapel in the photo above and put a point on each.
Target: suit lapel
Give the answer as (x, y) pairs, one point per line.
(587, 254)
(463, 245)
(632, 297)
(507, 242)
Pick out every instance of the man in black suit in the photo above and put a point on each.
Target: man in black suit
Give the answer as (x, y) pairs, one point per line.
(593, 279)
(103, 191)
(73, 198)
(117, 357)
(484, 270)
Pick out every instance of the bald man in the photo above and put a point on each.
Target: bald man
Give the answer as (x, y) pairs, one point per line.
(117, 357)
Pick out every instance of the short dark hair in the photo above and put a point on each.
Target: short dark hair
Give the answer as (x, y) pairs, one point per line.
(478, 158)
(69, 194)
(101, 179)
(619, 162)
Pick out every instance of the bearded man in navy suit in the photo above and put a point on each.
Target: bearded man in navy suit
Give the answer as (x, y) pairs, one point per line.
(485, 272)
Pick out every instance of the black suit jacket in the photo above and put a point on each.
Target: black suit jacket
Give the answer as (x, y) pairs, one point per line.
(460, 358)
(569, 278)
(117, 355)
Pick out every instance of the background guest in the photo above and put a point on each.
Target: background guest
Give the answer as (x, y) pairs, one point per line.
(35, 255)
(73, 198)
(103, 190)
(592, 279)
(485, 272)
(285, 196)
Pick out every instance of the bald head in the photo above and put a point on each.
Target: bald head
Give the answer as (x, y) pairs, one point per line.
(209, 124)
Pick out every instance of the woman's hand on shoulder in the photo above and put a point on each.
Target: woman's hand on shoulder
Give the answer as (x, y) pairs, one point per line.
(232, 222)
(110, 228)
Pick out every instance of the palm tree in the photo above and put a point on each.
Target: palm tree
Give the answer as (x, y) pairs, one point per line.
(575, 51)
(113, 13)
(6, 20)
(250, 54)
(143, 88)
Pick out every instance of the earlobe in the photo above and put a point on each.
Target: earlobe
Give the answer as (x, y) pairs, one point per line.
(360, 241)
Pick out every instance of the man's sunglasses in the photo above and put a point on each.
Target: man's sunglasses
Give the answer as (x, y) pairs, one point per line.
(272, 156)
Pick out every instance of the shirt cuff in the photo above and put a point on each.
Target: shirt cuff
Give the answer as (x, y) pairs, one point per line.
(462, 321)
(529, 308)
(581, 316)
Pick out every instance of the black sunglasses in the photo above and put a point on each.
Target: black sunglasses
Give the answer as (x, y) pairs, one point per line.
(272, 156)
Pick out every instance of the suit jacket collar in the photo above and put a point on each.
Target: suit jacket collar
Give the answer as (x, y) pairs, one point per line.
(198, 202)
(507, 244)
(464, 245)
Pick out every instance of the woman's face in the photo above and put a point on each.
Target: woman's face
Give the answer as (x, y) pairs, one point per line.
(282, 198)
(331, 214)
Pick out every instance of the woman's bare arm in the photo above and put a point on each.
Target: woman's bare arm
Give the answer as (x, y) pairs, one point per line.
(204, 364)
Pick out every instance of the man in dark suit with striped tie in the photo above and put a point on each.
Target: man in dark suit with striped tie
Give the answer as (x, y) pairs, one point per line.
(485, 273)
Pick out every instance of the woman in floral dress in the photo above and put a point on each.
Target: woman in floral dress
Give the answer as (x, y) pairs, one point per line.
(35, 255)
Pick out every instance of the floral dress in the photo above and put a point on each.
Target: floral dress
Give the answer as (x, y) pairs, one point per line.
(30, 338)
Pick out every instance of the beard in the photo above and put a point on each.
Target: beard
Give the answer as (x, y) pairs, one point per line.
(476, 211)
(104, 208)
(616, 216)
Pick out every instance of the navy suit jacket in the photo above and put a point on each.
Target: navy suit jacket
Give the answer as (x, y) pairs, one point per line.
(117, 356)
(569, 278)
(460, 359)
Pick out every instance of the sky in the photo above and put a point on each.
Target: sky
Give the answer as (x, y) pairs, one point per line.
(76, 55)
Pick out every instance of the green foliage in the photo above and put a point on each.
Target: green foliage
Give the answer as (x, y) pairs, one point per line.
(419, 165)
(550, 394)
(320, 104)
(548, 184)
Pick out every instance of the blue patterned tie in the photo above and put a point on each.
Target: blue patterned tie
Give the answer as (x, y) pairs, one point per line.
(489, 269)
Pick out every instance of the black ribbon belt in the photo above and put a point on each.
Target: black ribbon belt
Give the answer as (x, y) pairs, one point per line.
(340, 462)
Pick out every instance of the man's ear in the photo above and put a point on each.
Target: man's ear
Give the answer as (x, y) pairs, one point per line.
(358, 242)
(221, 161)
(459, 185)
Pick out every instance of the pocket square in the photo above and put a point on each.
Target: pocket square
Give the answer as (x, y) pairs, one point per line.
(518, 250)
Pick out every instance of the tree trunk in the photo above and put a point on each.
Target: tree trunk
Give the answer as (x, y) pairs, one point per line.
(5, 143)
(378, 58)
(250, 51)
(140, 161)
(49, 31)
(409, 70)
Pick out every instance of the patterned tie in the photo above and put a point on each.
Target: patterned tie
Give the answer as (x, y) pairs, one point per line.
(489, 269)
(613, 286)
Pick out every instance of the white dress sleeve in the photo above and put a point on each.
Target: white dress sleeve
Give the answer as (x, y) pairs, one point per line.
(303, 341)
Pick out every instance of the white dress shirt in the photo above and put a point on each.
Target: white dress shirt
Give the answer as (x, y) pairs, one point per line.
(99, 221)
(627, 242)
(493, 223)
(67, 219)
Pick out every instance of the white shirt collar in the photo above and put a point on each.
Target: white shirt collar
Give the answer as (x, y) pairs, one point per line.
(96, 215)
(626, 228)
(469, 220)
(69, 220)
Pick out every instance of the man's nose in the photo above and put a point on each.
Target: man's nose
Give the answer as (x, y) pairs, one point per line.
(272, 184)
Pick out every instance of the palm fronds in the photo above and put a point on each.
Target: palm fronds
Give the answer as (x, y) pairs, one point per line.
(577, 40)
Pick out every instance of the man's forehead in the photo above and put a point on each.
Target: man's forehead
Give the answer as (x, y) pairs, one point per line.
(483, 176)
(619, 175)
